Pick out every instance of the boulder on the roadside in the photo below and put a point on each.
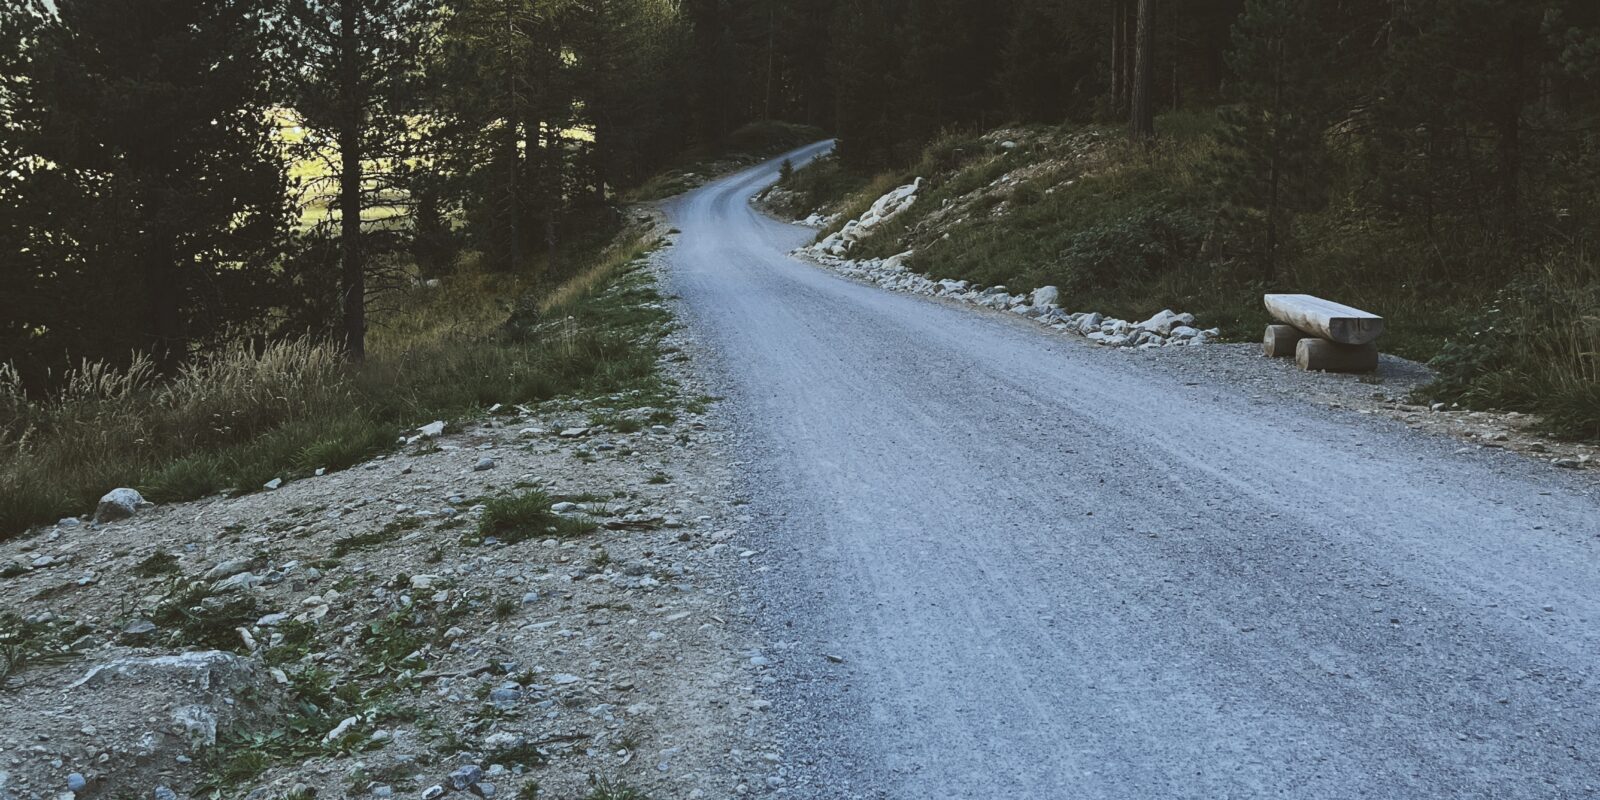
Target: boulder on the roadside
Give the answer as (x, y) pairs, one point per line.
(231, 567)
(1164, 321)
(151, 710)
(119, 504)
(1046, 296)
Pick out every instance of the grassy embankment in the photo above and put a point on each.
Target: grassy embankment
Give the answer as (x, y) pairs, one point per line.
(1128, 230)
(236, 419)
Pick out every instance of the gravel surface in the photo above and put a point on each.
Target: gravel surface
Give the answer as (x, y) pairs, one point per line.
(994, 562)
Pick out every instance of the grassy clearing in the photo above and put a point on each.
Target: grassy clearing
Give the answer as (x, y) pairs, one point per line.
(1129, 230)
(233, 420)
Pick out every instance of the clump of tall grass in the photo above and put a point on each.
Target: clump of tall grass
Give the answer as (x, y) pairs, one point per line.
(107, 425)
(1536, 349)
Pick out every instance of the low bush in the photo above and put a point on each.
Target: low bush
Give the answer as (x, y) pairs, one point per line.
(816, 185)
(1535, 348)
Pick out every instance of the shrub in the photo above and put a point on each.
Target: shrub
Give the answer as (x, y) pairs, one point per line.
(1135, 248)
(819, 185)
(1536, 349)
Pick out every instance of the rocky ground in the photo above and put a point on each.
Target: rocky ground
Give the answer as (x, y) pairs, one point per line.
(535, 603)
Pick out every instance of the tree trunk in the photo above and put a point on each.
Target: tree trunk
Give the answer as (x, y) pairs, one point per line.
(513, 150)
(553, 157)
(513, 208)
(353, 283)
(1116, 56)
(1275, 144)
(1510, 134)
(772, 33)
(167, 347)
(1123, 100)
(1142, 122)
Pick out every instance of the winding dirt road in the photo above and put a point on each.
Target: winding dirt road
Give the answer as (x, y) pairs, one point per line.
(1048, 570)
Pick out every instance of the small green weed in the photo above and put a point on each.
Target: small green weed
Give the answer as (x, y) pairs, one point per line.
(516, 518)
(602, 789)
(196, 616)
(156, 565)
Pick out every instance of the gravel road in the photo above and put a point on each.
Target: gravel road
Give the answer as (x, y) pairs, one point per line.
(993, 562)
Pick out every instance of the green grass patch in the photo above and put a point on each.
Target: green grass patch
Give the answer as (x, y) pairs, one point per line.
(517, 518)
(602, 789)
(26, 644)
(193, 615)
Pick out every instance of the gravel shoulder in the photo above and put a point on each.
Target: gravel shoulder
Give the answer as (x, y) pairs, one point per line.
(991, 561)
(612, 660)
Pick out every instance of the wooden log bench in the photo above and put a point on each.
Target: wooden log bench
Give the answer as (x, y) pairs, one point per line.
(1321, 334)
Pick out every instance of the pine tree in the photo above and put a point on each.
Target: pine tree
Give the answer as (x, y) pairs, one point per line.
(865, 74)
(39, 265)
(1457, 81)
(174, 163)
(629, 89)
(1050, 59)
(1142, 121)
(1274, 158)
(357, 89)
(505, 113)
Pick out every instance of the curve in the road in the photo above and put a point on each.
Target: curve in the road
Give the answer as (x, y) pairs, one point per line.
(1054, 571)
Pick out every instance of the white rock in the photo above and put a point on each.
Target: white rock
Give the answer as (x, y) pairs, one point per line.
(1046, 296)
(341, 729)
(227, 569)
(118, 504)
(1163, 322)
(237, 583)
(883, 209)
